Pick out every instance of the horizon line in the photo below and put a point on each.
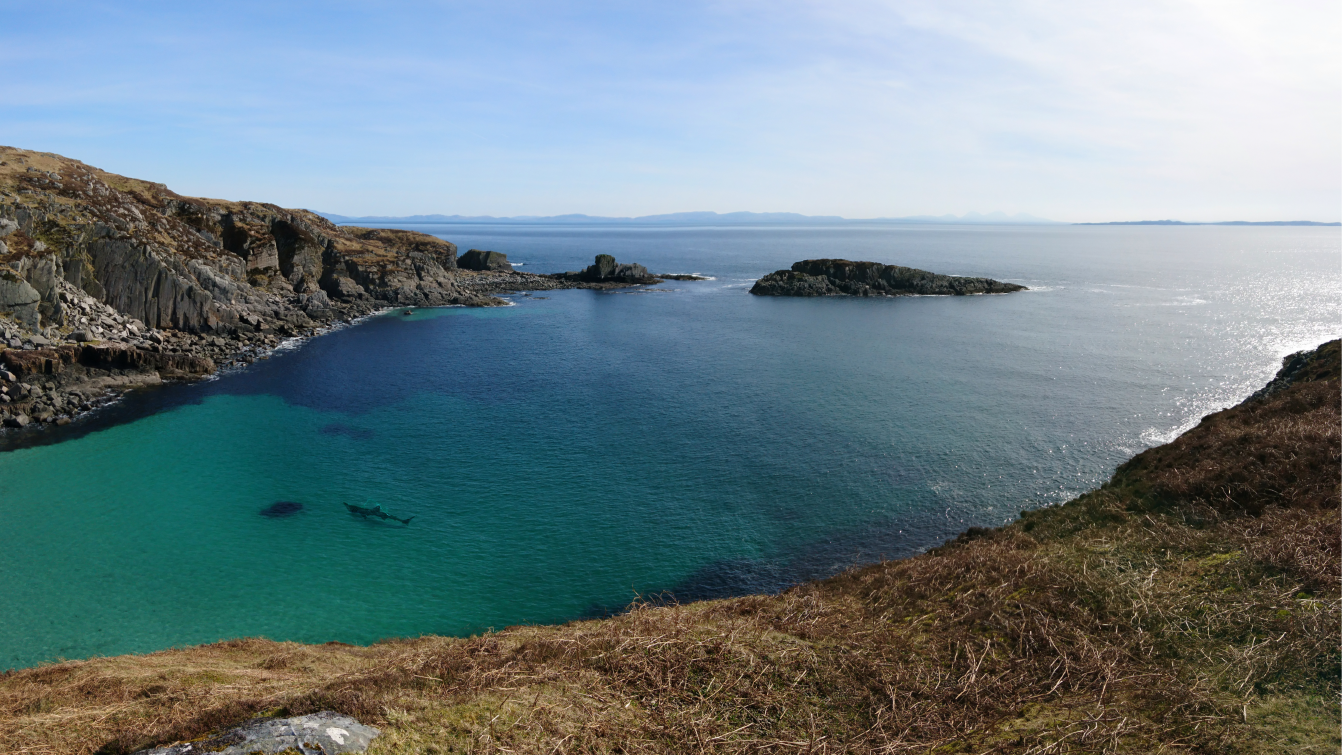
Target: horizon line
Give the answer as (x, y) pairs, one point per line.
(970, 218)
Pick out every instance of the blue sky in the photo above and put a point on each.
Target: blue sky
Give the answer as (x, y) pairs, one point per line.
(1073, 111)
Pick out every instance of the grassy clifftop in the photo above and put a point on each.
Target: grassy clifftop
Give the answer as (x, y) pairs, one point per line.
(1189, 605)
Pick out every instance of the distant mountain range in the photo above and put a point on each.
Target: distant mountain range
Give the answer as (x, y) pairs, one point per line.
(1222, 222)
(695, 218)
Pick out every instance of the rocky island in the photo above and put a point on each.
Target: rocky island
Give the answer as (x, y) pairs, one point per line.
(827, 277)
(109, 282)
(607, 272)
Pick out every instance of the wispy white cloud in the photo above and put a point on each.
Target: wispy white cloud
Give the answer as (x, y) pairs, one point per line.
(862, 108)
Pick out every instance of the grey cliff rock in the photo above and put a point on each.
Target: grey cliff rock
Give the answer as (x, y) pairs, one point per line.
(324, 733)
(19, 298)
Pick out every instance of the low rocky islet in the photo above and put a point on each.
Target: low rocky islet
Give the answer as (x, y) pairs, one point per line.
(836, 277)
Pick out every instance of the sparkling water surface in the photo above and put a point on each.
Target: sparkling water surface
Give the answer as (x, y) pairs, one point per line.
(565, 455)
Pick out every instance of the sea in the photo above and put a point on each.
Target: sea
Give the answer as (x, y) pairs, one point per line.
(577, 451)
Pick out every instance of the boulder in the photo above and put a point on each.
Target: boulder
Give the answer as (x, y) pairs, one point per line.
(19, 298)
(315, 304)
(342, 287)
(7, 226)
(326, 732)
(478, 259)
(18, 420)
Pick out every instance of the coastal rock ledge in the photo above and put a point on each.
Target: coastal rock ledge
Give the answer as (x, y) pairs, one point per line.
(848, 278)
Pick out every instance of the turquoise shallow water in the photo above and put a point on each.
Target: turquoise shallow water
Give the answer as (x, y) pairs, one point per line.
(566, 454)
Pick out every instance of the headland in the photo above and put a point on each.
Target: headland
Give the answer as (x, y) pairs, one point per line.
(108, 283)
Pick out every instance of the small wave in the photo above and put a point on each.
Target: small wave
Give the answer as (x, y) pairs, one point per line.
(1154, 436)
(1182, 301)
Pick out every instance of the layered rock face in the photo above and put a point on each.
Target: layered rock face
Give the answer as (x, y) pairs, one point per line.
(108, 282)
(826, 277)
(197, 265)
(479, 259)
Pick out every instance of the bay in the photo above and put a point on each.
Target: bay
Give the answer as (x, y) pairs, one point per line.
(569, 454)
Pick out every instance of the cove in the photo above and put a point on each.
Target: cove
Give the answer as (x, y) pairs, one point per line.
(572, 452)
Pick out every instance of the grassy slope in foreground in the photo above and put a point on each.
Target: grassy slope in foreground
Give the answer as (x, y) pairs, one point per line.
(1191, 604)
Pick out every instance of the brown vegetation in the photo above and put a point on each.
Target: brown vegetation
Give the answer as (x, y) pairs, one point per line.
(1191, 605)
(1281, 450)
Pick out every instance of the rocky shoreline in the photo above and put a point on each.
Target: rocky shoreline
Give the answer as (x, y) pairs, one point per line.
(110, 283)
(47, 381)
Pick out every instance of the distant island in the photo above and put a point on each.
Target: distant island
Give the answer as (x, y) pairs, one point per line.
(701, 218)
(1221, 222)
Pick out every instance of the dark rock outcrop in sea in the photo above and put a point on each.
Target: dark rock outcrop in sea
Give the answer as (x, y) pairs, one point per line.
(479, 259)
(605, 270)
(827, 277)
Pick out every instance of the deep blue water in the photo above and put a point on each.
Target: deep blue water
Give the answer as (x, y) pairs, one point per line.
(569, 453)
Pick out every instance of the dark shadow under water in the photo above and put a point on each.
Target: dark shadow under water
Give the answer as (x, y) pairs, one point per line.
(818, 559)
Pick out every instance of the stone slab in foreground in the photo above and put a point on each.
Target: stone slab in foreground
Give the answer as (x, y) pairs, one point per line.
(326, 732)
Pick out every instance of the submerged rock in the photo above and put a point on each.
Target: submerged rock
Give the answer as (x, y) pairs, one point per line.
(336, 428)
(326, 732)
(846, 278)
(282, 508)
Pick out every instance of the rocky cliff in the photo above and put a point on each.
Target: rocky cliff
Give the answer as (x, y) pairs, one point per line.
(179, 284)
(846, 278)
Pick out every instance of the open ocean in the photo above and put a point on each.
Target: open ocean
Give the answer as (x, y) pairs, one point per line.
(569, 454)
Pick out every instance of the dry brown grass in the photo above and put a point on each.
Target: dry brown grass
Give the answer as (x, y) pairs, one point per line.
(1281, 451)
(1166, 612)
(1001, 643)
